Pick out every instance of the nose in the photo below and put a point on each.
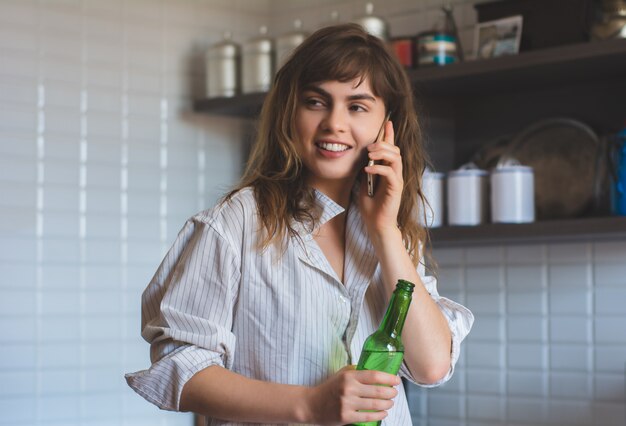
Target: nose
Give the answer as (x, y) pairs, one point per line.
(335, 121)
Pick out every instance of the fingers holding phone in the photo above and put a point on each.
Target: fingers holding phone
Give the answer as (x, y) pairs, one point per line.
(371, 178)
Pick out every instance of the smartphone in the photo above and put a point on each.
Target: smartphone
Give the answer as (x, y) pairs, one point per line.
(371, 179)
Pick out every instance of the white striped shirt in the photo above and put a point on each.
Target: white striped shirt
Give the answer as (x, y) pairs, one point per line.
(282, 315)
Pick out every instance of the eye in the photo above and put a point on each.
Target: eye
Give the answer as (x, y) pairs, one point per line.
(314, 102)
(358, 108)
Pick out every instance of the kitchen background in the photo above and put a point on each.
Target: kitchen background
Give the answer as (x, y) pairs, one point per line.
(102, 158)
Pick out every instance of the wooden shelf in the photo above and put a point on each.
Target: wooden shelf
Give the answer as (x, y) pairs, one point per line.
(603, 60)
(553, 231)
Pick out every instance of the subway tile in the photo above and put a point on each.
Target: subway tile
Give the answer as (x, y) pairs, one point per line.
(60, 302)
(102, 328)
(182, 205)
(17, 249)
(481, 354)
(610, 358)
(103, 77)
(61, 21)
(609, 251)
(570, 357)
(17, 383)
(103, 226)
(140, 275)
(18, 329)
(20, 64)
(145, 154)
(527, 355)
(485, 382)
(144, 253)
(18, 90)
(101, 200)
(144, 204)
(568, 276)
(61, 173)
(101, 379)
(449, 256)
(17, 118)
(488, 327)
(67, 69)
(102, 251)
(146, 129)
(445, 406)
(66, 46)
(23, 195)
(485, 407)
(103, 277)
(565, 412)
(485, 303)
(17, 356)
(104, 151)
(66, 328)
(104, 302)
(610, 387)
(104, 124)
(609, 414)
(60, 381)
(570, 385)
(61, 225)
(63, 94)
(96, 8)
(107, 101)
(570, 329)
(483, 278)
(526, 411)
(18, 144)
(526, 328)
(103, 176)
(524, 254)
(610, 329)
(144, 228)
(18, 275)
(58, 407)
(449, 279)
(19, 12)
(18, 222)
(97, 353)
(484, 255)
(17, 410)
(524, 278)
(18, 302)
(569, 253)
(60, 147)
(142, 81)
(58, 355)
(182, 155)
(610, 274)
(526, 303)
(144, 179)
(61, 250)
(527, 383)
(570, 302)
(102, 405)
(610, 301)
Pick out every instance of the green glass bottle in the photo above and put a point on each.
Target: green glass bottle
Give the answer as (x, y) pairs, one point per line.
(383, 350)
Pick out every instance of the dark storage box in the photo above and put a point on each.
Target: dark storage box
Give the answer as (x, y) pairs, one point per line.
(545, 23)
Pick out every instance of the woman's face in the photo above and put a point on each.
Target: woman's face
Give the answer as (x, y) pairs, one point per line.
(335, 121)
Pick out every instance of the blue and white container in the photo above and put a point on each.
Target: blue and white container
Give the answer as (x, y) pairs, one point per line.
(618, 194)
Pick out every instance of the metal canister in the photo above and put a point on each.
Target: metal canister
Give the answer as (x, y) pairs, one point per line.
(374, 25)
(222, 65)
(286, 43)
(257, 63)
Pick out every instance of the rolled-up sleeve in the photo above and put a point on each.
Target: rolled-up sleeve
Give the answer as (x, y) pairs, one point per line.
(459, 318)
(187, 313)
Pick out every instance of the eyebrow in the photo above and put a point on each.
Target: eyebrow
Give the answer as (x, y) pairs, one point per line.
(355, 97)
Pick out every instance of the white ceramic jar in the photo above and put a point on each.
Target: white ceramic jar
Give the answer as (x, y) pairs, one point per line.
(467, 196)
(512, 194)
(431, 215)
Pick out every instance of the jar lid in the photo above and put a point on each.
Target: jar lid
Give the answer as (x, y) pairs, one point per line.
(467, 172)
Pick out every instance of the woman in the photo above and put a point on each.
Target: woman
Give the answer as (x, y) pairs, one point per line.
(263, 303)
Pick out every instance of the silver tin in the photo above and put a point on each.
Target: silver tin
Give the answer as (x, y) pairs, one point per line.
(257, 64)
(373, 24)
(223, 69)
(286, 43)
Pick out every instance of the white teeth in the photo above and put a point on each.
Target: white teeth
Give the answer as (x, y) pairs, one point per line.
(335, 147)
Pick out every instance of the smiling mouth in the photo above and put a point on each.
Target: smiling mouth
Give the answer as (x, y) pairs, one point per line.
(333, 147)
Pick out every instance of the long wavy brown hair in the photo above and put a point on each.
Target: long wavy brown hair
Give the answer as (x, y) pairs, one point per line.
(274, 170)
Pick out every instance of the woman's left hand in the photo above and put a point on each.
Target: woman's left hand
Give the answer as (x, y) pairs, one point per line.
(380, 212)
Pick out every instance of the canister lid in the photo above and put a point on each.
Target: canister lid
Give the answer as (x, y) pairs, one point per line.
(373, 24)
(224, 49)
(261, 44)
(293, 38)
(468, 169)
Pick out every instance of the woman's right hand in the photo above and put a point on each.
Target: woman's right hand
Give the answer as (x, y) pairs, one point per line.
(343, 396)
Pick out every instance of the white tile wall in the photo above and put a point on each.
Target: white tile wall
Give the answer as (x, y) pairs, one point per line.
(102, 159)
(99, 167)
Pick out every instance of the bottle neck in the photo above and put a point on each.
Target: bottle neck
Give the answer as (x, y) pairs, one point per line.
(393, 322)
